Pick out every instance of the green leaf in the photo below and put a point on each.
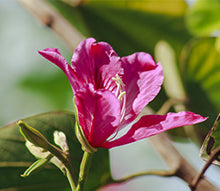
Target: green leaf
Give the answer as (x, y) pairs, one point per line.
(203, 18)
(128, 27)
(174, 7)
(200, 69)
(172, 80)
(211, 142)
(15, 157)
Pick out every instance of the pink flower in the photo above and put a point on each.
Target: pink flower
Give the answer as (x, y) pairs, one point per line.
(110, 92)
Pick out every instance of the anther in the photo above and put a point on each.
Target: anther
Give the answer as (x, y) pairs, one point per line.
(118, 80)
(121, 95)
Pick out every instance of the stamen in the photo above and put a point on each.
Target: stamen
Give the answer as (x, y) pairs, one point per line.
(121, 95)
(118, 93)
(118, 80)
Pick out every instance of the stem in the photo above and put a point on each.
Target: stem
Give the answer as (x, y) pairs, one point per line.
(84, 169)
(64, 158)
(70, 174)
(71, 179)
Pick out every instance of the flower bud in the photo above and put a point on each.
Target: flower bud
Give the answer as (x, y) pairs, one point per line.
(33, 135)
(60, 140)
(44, 157)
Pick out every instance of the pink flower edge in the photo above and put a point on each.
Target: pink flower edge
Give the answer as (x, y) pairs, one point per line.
(150, 125)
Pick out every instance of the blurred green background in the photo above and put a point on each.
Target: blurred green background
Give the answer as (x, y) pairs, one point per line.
(30, 85)
(23, 71)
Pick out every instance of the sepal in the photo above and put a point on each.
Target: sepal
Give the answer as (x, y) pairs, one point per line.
(41, 153)
(80, 135)
(37, 165)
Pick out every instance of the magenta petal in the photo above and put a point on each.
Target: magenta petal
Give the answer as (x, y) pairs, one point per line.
(150, 125)
(143, 79)
(96, 63)
(53, 55)
(82, 61)
(98, 112)
(107, 64)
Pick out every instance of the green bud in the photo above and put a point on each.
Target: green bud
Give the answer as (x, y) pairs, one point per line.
(40, 153)
(40, 147)
(60, 140)
(33, 135)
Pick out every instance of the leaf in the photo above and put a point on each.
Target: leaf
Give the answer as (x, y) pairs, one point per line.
(127, 26)
(174, 7)
(15, 158)
(203, 18)
(172, 80)
(200, 69)
(211, 142)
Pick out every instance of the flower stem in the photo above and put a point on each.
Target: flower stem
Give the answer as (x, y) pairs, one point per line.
(70, 178)
(84, 169)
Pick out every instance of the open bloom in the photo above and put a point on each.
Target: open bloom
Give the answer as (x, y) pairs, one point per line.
(110, 92)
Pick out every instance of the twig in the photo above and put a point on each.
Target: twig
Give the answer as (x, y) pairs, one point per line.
(177, 163)
(163, 173)
(213, 156)
(51, 18)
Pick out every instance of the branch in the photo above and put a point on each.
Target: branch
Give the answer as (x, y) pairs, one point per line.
(51, 18)
(163, 144)
(175, 90)
(178, 165)
(214, 155)
(163, 173)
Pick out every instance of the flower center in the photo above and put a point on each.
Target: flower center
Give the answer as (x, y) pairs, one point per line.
(119, 93)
